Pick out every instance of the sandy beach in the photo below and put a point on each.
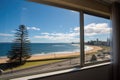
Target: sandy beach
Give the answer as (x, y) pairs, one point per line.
(58, 55)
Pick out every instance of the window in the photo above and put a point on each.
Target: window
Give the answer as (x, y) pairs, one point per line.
(97, 33)
(53, 33)
(60, 38)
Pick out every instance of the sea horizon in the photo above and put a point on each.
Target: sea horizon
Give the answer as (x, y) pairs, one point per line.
(45, 48)
(42, 48)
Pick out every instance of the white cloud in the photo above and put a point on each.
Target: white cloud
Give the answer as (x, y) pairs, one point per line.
(77, 29)
(6, 35)
(33, 28)
(45, 33)
(45, 37)
(73, 36)
(74, 11)
(97, 29)
(62, 37)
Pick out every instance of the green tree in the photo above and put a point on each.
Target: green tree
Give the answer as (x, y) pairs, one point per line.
(20, 50)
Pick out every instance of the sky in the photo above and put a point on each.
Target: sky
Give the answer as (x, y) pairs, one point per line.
(47, 24)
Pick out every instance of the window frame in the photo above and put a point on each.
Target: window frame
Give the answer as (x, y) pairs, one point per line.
(82, 51)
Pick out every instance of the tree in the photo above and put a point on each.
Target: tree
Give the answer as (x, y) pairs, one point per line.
(20, 50)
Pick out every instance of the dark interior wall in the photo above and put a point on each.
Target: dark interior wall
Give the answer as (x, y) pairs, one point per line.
(116, 40)
(97, 73)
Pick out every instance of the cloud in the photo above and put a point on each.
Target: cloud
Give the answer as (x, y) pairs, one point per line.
(62, 37)
(77, 29)
(33, 28)
(95, 29)
(74, 11)
(45, 37)
(45, 33)
(5, 35)
(73, 35)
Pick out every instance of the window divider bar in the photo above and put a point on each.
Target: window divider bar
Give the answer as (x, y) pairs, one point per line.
(82, 55)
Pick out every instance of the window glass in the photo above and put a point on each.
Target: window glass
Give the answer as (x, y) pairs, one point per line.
(53, 34)
(97, 33)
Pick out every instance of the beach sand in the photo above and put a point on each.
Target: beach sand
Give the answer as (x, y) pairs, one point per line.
(58, 55)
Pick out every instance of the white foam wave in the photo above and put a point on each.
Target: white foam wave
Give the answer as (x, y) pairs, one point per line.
(58, 45)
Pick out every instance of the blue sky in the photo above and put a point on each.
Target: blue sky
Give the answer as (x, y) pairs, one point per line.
(48, 24)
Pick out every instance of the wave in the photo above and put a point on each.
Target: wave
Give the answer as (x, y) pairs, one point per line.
(88, 48)
(58, 45)
(47, 49)
(64, 52)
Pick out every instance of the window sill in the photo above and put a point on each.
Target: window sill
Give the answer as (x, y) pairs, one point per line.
(60, 72)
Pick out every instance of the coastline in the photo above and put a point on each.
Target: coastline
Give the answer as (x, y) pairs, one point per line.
(56, 55)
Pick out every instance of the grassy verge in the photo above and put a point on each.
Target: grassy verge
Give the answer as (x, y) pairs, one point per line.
(32, 64)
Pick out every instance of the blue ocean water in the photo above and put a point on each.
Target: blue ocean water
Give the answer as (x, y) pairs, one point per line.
(42, 48)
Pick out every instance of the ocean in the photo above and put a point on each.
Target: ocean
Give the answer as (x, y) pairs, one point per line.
(43, 48)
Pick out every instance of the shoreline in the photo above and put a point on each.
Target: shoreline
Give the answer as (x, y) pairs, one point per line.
(56, 55)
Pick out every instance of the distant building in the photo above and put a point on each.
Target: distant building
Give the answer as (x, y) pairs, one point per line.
(98, 42)
(108, 41)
